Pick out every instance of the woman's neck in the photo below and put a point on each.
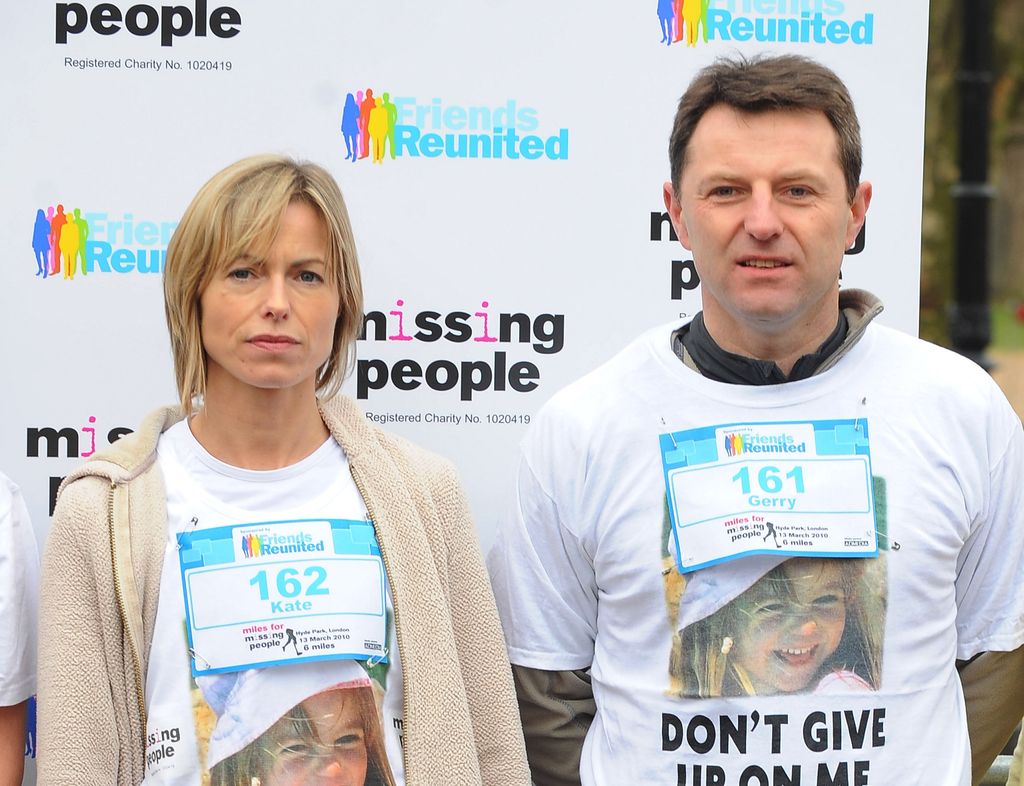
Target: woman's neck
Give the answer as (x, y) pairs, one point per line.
(270, 430)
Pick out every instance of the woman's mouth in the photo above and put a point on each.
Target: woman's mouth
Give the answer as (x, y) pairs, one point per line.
(273, 342)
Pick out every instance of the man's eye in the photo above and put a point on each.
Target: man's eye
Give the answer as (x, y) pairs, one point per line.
(799, 191)
(723, 191)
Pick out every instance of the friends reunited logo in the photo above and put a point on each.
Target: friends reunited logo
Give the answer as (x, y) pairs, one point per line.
(269, 544)
(768, 21)
(739, 443)
(73, 241)
(376, 126)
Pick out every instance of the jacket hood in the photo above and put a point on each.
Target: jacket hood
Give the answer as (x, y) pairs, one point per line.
(129, 456)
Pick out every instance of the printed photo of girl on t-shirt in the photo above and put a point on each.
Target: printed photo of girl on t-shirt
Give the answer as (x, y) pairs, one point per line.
(760, 626)
(286, 726)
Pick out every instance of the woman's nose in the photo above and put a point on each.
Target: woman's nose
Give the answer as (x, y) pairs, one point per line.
(276, 305)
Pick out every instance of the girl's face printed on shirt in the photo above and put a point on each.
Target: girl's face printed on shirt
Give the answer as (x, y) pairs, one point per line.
(323, 744)
(789, 627)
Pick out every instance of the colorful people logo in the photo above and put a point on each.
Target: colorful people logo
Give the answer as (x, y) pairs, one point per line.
(734, 444)
(368, 126)
(683, 18)
(252, 546)
(59, 242)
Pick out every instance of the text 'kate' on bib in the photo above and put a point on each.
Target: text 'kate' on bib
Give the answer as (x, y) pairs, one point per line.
(795, 488)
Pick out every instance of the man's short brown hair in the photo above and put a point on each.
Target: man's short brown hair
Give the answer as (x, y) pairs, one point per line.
(764, 84)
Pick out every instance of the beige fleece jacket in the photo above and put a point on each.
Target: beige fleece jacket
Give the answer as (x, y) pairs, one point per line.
(100, 588)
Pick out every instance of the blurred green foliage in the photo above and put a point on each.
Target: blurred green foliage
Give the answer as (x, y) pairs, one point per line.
(940, 154)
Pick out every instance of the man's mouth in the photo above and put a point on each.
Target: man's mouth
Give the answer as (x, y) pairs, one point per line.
(763, 263)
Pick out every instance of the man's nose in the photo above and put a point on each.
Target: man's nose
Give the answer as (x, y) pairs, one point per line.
(762, 221)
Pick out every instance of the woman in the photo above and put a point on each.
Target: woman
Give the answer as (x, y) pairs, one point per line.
(264, 303)
(350, 127)
(41, 244)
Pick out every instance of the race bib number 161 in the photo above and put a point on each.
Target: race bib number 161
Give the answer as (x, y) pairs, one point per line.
(795, 488)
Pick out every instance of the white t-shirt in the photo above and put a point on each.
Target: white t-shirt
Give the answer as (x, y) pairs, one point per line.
(868, 692)
(19, 597)
(337, 716)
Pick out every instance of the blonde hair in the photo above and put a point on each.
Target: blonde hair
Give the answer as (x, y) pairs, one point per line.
(239, 211)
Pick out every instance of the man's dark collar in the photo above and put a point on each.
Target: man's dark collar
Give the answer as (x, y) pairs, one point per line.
(716, 363)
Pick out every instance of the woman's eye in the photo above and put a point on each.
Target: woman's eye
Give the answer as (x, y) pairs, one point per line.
(241, 274)
(771, 608)
(296, 749)
(309, 277)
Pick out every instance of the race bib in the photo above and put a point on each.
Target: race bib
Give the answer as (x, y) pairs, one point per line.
(269, 593)
(799, 488)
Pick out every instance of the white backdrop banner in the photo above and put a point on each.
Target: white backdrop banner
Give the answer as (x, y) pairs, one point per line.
(505, 193)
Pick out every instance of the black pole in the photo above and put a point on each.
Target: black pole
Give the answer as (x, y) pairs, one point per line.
(970, 320)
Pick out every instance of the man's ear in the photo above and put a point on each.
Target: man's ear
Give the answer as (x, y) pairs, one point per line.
(858, 212)
(675, 215)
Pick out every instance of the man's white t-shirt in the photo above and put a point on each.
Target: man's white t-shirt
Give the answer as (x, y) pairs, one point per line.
(19, 597)
(867, 693)
(281, 717)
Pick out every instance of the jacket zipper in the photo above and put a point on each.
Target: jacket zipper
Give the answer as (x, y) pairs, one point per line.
(140, 694)
(398, 629)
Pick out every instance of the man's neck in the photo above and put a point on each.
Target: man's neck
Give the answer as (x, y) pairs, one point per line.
(697, 348)
(716, 363)
(780, 345)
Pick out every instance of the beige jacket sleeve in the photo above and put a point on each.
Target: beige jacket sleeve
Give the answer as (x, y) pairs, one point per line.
(481, 646)
(80, 698)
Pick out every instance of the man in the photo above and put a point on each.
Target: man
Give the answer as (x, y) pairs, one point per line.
(644, 609)
(19, 590)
